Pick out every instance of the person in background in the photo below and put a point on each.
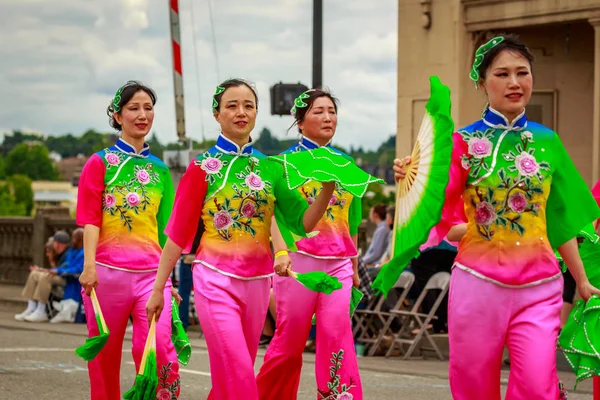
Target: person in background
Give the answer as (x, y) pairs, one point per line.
(381, 237)
(39, 283)
(70, 271)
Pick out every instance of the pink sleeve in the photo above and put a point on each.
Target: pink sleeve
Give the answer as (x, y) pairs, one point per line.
(451, 212)
(187, 209)
(596, 194)
(90, 191)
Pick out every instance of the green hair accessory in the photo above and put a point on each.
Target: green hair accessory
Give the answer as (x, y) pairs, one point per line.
(479, 55)
(215, 104)
(117, 99)
(299, 102)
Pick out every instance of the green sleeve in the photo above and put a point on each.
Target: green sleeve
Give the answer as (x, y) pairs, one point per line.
(571, 205)
(289, 205)
(355, 215)
(166, 206)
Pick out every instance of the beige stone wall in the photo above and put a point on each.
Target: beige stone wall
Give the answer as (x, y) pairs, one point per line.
(422, 53)
(564, 67)
(568, 68)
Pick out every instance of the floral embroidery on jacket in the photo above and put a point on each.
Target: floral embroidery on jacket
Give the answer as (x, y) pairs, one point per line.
(113, 158)
(133, 195)
(518, 190)
(212, 165)
(336, 200)
(480, 147)
(250, 195)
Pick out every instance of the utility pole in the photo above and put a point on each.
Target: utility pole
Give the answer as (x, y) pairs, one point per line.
(177, 69)
(317, 78)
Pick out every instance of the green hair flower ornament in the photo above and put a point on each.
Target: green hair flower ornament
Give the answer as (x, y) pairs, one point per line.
(480, 54)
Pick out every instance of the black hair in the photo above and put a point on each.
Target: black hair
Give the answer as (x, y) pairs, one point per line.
(313, 94)
(229, 83)
(127, 92)
(380, 210)
(512, 43)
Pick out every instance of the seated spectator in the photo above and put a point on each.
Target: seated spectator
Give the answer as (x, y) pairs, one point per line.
(381, 237)
(70, 271)
(39, 283)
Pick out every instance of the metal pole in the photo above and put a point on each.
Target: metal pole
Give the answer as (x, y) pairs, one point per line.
(177, 69)
(317, 79)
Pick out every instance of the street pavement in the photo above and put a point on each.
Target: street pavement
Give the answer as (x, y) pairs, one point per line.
(37, 361)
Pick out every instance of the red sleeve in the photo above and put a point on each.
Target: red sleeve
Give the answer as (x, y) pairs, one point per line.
(90, 191)
(451, 214)
(187, 209)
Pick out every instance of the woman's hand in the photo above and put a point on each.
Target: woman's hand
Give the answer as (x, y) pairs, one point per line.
(399, 164)
(175, 294)
(89, 278)
(355, 279)
(283, 263)
(155, 305)
(586, 290)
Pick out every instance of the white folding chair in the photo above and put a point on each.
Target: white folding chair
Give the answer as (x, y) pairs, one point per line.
(369, 330)
(439, 281)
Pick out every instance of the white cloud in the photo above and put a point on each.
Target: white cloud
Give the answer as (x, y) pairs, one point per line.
(62, 63)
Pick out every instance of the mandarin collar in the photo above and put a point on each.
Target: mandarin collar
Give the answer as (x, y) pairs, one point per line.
(126, 148)
(311, 144)
(226, 146)
(495, 119)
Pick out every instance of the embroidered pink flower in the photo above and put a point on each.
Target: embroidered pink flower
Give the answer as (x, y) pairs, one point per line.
(143, 176)
(310, 200)
(254, 182)
(222, 220)
(211, 165)
(163, 394)
(133, 199)
(112, 159)
(332, 200)
(485, 213)
(342, 203)
(345, 396)
(110, 200)
(526, 164)
(249, 210)
(536, 207)
(480, 147)
(517, 202)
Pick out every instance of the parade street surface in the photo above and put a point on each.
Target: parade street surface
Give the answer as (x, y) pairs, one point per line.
(37, 361)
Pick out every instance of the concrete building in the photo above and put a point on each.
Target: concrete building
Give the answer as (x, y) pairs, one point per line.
(439, 37)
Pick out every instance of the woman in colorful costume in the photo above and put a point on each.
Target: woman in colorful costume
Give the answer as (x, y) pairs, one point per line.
(333, 251)
(236, 191)
(523, 197)
(124, 202)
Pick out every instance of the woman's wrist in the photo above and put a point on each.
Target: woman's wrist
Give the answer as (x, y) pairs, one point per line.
(281, 253)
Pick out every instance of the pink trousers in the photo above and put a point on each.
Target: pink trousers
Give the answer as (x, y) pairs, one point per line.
(336, 366)
(232, 315)
(123, 294)
(483, 317)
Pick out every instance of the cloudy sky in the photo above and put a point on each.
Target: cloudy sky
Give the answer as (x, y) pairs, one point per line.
(61, 61)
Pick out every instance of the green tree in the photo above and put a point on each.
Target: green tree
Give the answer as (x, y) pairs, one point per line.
(20, 188)
(8, 205)
(31, 160)
(156, 147)
(18, 137)
(2, 168)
